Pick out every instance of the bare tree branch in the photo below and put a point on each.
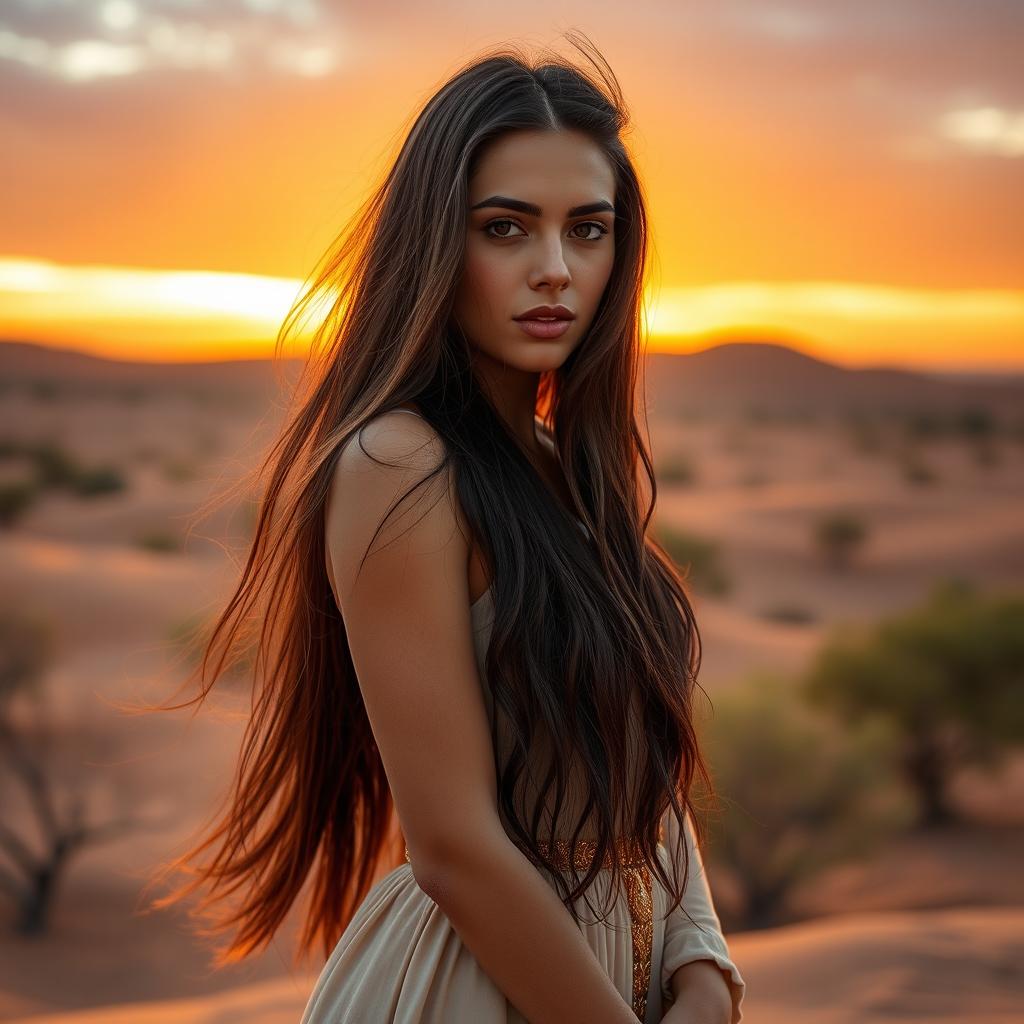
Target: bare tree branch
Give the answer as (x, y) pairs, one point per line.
(18, 850)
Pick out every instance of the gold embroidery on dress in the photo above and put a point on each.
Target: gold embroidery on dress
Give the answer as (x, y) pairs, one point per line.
(639, 897)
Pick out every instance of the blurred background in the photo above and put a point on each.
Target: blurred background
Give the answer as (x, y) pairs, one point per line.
(834, 388)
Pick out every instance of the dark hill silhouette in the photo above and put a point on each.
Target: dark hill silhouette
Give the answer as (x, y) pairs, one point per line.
(29, 364)
(735, 376)
(765, 375)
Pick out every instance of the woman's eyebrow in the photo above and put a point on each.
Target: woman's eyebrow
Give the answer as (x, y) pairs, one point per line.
(505, 203)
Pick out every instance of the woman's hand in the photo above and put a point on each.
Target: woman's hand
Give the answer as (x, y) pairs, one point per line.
(702, 995)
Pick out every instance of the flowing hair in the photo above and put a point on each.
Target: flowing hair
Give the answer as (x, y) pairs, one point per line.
(596, 624)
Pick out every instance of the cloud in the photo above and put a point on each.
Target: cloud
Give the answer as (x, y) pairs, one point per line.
(79, 42)
(789, 24)
(985, 129)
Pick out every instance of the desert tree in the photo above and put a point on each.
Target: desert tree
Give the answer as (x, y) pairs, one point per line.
(947, 677)
(799, 794)
(48, 789)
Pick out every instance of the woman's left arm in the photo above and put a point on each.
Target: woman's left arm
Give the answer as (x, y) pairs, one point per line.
(702, 995)
(696, 964)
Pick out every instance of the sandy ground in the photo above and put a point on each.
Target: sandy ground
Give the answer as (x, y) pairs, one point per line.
(926, 966)
(927, 929)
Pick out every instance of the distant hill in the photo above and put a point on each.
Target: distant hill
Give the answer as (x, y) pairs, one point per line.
(27, 364)
(766, 376)
(734, 376)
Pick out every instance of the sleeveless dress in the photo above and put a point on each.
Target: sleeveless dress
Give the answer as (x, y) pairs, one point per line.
(400, 961)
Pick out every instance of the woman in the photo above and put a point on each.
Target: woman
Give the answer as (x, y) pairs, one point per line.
(463, 619)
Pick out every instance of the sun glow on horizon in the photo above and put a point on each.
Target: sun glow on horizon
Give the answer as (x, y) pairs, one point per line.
(186, 315)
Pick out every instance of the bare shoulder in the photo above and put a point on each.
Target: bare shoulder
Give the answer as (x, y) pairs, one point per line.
(388, 438)
(403, 593)
(391, 491)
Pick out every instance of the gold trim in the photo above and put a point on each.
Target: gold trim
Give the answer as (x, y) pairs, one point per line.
(639, 897)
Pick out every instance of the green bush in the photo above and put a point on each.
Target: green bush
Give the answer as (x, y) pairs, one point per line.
(16, 497)
(97, 480)
(54, 467)
(799, 794)
(946, 677)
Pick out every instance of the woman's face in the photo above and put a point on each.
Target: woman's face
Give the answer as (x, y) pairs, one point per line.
(551, 254)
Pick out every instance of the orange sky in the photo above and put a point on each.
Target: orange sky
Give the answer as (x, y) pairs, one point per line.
(849, 174)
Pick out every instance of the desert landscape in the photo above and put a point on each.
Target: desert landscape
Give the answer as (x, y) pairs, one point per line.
(107, 464)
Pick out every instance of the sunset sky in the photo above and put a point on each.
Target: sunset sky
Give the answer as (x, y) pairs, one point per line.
(849, 174)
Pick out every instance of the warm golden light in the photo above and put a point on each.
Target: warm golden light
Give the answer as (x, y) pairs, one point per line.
(179, 315)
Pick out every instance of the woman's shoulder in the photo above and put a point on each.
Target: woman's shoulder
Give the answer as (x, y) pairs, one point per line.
(393, 438)
(386, 485)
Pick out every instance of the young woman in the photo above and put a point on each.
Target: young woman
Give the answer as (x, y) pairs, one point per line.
(473, 658)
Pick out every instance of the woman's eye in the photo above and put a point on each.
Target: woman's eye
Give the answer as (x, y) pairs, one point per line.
(601, 230)
(507, 224)
(494, 223)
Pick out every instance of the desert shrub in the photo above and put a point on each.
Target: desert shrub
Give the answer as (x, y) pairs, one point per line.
(677, 469)
(54, 466)
(93, 481)
(790, 614)
(947, 677)
(799, 793)
(838, 536)
(159, 541)
(698, 557)
(975, 423)
(16, 498)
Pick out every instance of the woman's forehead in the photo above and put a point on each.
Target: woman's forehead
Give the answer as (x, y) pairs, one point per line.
(552, 170)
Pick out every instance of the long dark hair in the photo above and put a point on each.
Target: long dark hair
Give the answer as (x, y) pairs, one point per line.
(597, 627)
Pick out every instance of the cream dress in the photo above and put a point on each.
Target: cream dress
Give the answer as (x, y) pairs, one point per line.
(400, 961)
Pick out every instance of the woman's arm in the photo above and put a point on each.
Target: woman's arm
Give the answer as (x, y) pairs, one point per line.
(683, 978)
(702, 995)
(407, 619)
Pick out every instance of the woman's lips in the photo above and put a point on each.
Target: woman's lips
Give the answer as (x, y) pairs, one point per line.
(544, 328)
